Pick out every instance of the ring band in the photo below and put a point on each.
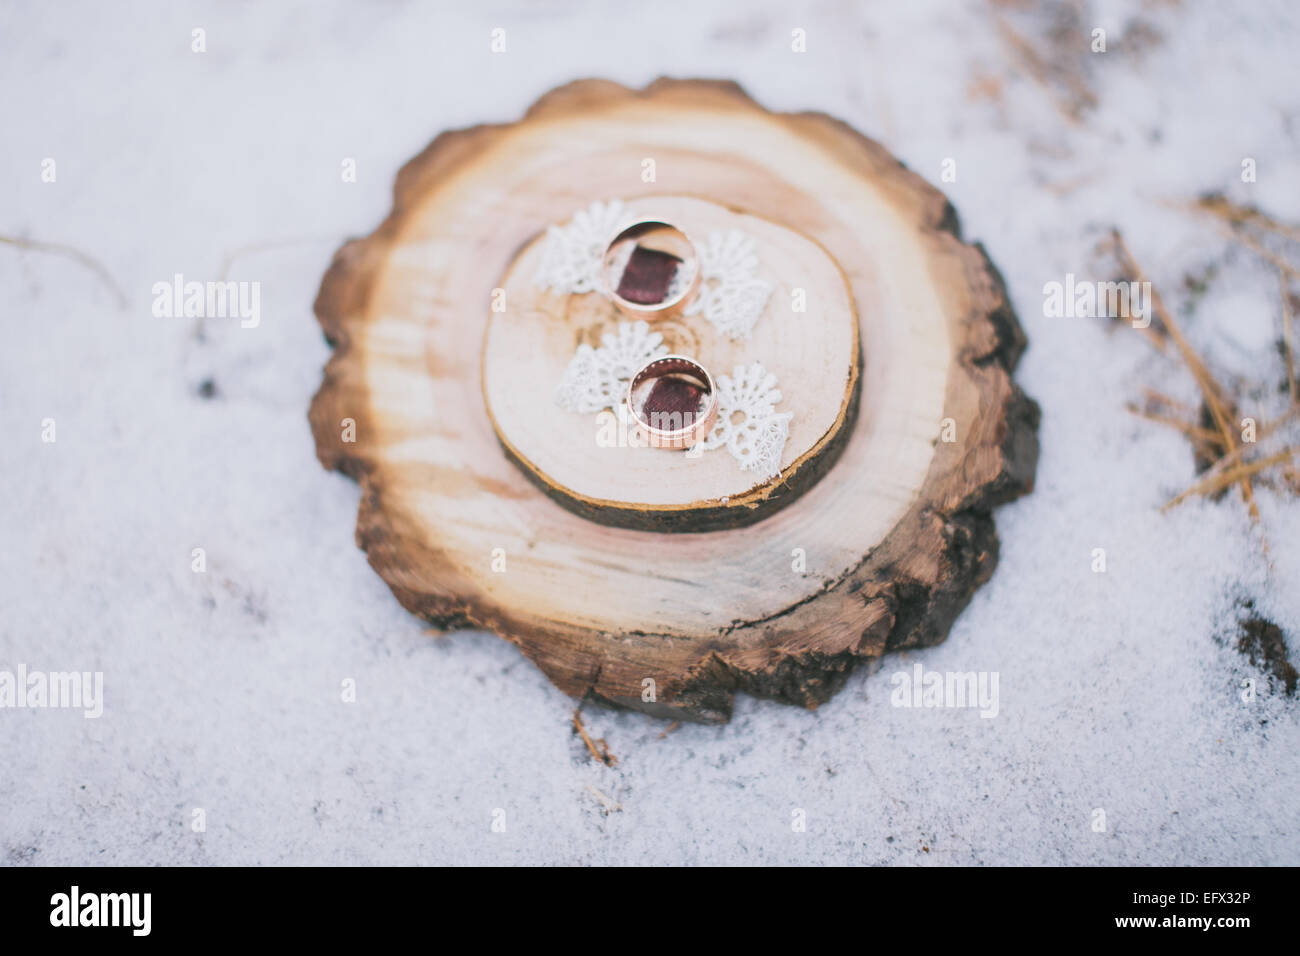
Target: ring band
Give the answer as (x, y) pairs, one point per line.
(650, 270)
(673, 401)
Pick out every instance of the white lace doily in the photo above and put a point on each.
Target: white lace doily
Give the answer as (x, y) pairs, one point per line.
(732, 297)
(571, 254)
(597, 379)
(748, 425)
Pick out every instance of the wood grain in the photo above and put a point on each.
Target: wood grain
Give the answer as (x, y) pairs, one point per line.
(570, 456)
(893, 538)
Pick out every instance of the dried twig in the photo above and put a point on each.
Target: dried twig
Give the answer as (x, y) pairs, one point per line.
(670, 728)
(1074, 98)
(231, 257)
(1236, 214)
(1199, 435)
(1229, 477)
(1161, 398)
(1210, 389)
(1265, 429)
(602, 753)
(1154, 331)
(70, 252)
(1266, 253)
(1238, 217)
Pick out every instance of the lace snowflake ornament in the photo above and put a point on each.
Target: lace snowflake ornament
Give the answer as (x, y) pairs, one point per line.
(732, 297)
(596, 379)
(571, 254)
(749, 426)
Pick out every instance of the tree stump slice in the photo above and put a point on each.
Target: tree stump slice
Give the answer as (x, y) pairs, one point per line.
(884, 527)
(575, 459)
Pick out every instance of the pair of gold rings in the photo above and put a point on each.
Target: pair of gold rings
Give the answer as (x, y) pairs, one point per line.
(651, 271)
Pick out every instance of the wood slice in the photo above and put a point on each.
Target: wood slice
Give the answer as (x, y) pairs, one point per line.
(882, 552)
(575, 459)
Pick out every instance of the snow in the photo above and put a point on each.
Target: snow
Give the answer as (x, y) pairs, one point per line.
(1119, 691)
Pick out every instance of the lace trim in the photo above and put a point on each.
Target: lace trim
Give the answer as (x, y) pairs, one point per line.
(748, 425)
(596, 379)
(732, 297)
(571, 254)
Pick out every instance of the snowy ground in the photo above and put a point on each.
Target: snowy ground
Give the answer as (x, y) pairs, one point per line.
(1118, 691)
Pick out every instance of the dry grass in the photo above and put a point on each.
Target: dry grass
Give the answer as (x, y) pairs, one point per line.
(1212, 429)
(76, 255)
(598, 748)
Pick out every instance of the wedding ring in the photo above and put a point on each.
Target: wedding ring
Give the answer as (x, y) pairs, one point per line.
(673, 401)
(650, 270)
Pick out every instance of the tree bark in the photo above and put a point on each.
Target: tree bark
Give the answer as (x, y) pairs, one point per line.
(627, 578)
